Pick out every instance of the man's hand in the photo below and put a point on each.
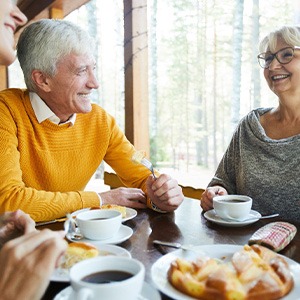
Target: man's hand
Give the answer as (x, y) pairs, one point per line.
(164, 192)
(130, 197)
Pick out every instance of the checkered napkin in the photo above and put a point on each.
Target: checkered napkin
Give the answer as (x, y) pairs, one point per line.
(275, 236)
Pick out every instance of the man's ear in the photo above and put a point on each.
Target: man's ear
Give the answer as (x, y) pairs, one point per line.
(41, 80)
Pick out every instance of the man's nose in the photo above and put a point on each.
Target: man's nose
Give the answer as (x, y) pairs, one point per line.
(93, 82)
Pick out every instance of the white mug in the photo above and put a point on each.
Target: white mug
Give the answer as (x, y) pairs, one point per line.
(127, 289)
(232, 207)
(99, 224)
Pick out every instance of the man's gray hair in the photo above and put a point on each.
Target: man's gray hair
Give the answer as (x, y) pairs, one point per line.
(44, 43)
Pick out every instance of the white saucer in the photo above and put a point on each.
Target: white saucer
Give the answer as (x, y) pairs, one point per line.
(122, 235)
(213, 217)
(148, 293)
(62, 275)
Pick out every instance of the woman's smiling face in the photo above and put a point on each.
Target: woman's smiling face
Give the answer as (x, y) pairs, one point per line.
(10, 18)
(283, 78)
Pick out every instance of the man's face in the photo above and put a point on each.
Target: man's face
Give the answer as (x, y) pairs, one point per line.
(70, 88)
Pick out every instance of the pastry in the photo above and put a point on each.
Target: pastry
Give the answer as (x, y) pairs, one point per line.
(77, 252)
(253, 273)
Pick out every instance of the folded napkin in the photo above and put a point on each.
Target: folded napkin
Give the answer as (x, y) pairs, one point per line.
(275, 236)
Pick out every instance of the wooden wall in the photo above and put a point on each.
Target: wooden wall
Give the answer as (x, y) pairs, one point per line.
(3, 78)
(136, 74)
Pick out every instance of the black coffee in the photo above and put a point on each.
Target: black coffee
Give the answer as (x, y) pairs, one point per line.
(106, 277)
(234, 201)
(95, 219)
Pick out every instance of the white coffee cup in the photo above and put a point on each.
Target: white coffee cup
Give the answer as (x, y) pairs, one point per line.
(99, 224)
(127, 289)
(232, 207)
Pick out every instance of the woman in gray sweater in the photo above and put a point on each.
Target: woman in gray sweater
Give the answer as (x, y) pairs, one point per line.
(262, 160)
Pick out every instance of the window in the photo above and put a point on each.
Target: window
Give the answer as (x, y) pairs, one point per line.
(203, 73)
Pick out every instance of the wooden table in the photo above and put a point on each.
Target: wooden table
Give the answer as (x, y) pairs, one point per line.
(186, 225)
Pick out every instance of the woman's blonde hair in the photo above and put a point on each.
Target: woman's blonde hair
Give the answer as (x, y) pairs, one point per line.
(289, 34)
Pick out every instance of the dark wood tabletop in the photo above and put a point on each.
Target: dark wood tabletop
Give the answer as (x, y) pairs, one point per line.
(186, 225)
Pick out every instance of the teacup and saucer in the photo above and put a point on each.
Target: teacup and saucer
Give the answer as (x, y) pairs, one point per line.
(232, 211)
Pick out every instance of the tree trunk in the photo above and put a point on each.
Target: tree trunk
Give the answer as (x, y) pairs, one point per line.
(153, 82)
(255, 70)
(237, 60)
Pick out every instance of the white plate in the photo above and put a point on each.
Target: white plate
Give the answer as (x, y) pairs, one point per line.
(224, 252)
(62, 275)
(148, 293)
(130, 213)
(213, 217)
(122, 235)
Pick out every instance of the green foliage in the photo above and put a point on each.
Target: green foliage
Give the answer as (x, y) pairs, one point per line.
(195, 76)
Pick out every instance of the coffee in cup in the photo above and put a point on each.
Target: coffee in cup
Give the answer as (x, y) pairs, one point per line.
(99, 224)
(232, 207)
(107, 277)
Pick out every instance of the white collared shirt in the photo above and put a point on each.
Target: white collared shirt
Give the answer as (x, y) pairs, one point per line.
(43, 112)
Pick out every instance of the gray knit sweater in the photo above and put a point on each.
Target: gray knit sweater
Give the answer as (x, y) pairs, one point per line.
(266, 170)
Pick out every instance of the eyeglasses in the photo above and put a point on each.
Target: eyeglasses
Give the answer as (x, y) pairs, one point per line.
(283, 56)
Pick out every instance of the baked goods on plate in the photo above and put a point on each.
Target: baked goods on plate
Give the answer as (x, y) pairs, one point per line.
(253, 272)
(61, 273)
(77, 252)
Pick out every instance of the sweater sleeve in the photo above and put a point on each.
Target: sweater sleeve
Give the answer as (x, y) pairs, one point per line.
(119, 156)
(41, 205)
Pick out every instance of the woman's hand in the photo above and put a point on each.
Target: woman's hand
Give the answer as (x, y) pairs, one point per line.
(209, 194)
(14, 224)
(27, 263)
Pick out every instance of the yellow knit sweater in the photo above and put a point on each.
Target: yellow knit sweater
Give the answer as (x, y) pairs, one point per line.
(45, 167)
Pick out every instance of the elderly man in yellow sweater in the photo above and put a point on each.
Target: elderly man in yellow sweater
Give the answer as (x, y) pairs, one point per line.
(52, 139)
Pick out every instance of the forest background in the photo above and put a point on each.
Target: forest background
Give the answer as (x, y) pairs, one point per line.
(203, 73)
